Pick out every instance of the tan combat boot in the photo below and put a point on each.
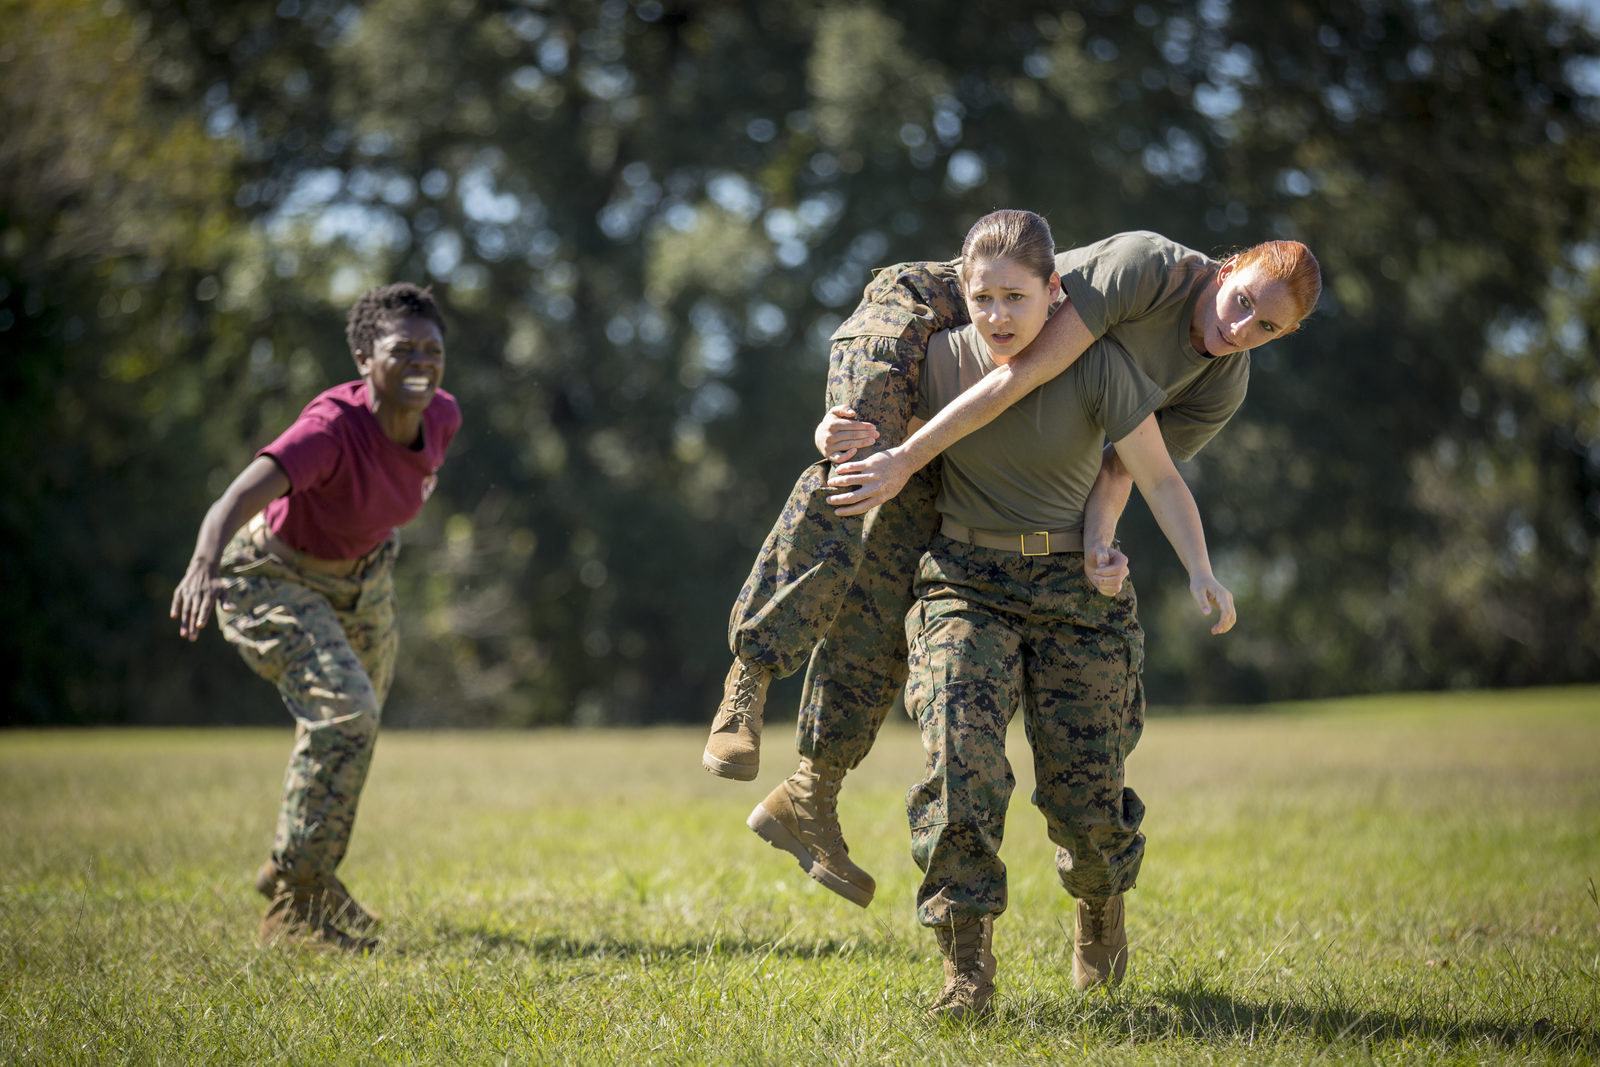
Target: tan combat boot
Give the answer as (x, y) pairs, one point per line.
(296, 918)
(336, 902)
(1099, 943)
(734, 749)
(801, 817)
(969, 966)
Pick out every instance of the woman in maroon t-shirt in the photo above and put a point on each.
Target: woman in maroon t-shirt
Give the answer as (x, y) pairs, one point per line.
(305, 592)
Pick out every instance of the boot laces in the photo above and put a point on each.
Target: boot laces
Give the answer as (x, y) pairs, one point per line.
(745, 688)
(734, 714)
(824, 830)
(969, 946)
(827, 790)
(736, 707)
(966, 951)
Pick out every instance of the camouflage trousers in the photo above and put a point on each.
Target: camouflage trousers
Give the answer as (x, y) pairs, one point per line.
(990, 632)
(832, 592)
(329, 645)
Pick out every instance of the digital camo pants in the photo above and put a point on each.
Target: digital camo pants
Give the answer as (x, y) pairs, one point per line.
(829, 592)
(329, 645)
(990, 632)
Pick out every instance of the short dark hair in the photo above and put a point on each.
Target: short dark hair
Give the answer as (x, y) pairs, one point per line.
(383, 305)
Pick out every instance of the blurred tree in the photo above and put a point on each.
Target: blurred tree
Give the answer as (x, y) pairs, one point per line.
(114, 225)
(644, 217)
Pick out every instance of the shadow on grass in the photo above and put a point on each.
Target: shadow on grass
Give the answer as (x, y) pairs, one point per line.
(481, 940)
(1219, 1015)
(1195, 1013)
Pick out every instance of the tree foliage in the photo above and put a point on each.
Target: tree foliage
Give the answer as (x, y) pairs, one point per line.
(643, 219)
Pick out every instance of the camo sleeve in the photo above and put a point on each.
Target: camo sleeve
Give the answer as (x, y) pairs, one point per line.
(925, 296)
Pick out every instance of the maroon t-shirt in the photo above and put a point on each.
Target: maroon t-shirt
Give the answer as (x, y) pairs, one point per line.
(350, 486)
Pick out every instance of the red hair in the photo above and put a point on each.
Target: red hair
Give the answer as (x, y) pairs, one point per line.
(1291, 263)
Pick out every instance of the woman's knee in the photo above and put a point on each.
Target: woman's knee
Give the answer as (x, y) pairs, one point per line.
(341, 739)
(354, 714)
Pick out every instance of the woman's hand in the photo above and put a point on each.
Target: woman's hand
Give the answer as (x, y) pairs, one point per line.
(839, 437)
(877, 478)
(1209, 593)
(1106, 568)
(258, 485)
(195, 596)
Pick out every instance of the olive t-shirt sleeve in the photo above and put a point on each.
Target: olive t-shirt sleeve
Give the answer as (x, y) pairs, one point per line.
(1120, 283)
(1121, 395)
(1194, 415)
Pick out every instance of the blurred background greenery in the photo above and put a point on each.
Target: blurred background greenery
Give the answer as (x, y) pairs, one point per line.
(644, 217)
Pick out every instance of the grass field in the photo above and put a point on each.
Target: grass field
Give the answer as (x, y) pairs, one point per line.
(1386, 880)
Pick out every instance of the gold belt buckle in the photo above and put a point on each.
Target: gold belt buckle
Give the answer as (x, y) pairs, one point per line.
(1037, 533)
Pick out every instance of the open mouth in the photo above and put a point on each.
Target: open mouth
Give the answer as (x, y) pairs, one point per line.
(416, 383)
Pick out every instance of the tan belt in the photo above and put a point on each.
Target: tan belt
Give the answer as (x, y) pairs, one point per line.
(1036, 543)
(267, 541)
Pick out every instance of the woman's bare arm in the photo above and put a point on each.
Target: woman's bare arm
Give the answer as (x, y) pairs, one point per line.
(258, 485)
(1163, 488)
(1103, 563)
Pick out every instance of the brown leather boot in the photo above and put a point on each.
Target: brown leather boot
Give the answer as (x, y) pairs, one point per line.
(295, 917)
(801, 816)
(1099, 943)
(969, 967)
(734, 748)
(341, 908)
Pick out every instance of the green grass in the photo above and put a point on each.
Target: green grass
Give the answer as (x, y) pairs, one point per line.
(1386, 880)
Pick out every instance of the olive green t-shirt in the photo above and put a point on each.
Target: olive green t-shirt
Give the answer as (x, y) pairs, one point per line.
(1140, 289)
(1033, 466)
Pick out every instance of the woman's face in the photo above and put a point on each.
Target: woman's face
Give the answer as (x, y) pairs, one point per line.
(406, 364)
(1247, 310)
(1009, 304)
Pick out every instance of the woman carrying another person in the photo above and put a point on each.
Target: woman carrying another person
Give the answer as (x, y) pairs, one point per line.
(305, 591)
(1186, 320)
(1005, 618)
